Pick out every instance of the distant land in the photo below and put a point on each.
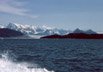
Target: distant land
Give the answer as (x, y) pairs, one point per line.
(37, 32)
(75, 36)
(41, 30)
(9, 33)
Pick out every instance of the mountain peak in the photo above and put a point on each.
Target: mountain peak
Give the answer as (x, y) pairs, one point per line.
(82, 31)
(90, 32)
(77, 31)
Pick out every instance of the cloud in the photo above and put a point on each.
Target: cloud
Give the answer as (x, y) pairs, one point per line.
(11, 7)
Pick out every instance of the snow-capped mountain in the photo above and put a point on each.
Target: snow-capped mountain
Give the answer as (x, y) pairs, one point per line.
(26, 29)
(34, 30)
(82, 31)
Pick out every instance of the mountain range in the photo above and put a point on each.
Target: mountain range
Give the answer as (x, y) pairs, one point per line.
(86, 32)
(42, 30)
(35, 30)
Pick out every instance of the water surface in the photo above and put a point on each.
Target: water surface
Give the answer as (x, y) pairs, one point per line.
(45, 55)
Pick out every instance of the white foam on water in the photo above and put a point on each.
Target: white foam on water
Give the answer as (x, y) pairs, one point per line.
(7, 65)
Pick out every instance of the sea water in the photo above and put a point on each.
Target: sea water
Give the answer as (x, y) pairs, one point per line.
(51, 55)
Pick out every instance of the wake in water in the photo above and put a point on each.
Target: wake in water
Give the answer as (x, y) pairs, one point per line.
(7, 65)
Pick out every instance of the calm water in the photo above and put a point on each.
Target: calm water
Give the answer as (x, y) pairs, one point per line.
(51, 55)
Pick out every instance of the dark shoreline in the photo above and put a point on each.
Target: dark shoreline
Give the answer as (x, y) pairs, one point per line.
(74, 36)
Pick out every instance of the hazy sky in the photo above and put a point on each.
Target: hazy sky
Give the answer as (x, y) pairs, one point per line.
(66, 14)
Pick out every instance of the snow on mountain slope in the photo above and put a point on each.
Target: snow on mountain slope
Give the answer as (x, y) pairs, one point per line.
(34, 30)
(26, 29)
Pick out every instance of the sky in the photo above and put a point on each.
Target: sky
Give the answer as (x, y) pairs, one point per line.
(65, 14)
